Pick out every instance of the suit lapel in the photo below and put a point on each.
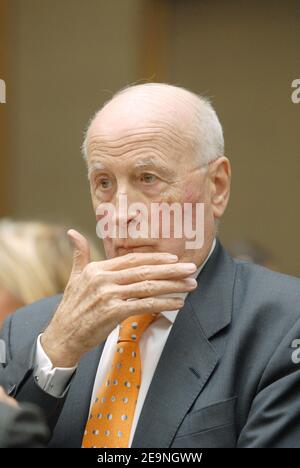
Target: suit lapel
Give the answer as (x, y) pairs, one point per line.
(188, 358)
(183, 369)
(70, 427)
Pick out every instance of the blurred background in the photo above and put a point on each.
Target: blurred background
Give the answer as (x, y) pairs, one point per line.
(62, 59)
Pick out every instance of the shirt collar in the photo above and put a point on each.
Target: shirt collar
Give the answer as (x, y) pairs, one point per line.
(170, 314)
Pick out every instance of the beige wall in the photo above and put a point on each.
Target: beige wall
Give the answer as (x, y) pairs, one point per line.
(5, 114)
(244, 55)
(70, 55)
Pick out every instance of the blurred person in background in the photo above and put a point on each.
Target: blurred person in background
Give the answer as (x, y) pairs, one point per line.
(21, 426)
(35, 260)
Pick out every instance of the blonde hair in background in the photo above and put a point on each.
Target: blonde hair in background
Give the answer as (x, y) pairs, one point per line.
(35, 259)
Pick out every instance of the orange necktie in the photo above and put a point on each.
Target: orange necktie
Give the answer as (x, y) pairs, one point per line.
(111, 417)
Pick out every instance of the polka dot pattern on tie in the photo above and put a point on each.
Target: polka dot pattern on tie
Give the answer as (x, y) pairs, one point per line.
(111, 417)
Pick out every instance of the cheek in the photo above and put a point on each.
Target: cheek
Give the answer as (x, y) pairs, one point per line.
(172, 195)
(194, 193)
(190, 195)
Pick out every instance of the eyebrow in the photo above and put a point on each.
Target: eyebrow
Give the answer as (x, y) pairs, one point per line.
(151, 162)
(96, 166)
(146, 163)
(140, 164)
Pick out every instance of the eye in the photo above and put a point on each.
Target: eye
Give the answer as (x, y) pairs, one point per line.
(148, 178)
(103, 183)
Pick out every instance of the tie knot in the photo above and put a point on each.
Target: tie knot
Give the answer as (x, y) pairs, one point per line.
(133, 327)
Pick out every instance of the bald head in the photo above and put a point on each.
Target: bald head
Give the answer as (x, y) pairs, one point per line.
(189, 120)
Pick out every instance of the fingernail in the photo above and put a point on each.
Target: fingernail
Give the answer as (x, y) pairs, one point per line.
(173, 258)
(190, 267)
(191, 282)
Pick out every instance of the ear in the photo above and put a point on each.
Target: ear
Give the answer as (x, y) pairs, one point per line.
(220, 177)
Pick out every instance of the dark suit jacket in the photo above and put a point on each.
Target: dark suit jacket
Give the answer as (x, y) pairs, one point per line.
(226, 377)
(22, 427)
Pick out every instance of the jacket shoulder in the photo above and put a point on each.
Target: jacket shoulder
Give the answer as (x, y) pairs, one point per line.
(29, 321)
(266, 277)
(269, 294)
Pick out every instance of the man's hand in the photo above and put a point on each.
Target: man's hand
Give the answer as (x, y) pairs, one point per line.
(96, 298)
(4, 398)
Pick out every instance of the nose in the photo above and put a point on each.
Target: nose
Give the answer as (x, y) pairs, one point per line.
(124, 210)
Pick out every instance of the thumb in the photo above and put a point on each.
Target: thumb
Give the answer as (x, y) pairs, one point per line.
(81, 255)
(4, 398)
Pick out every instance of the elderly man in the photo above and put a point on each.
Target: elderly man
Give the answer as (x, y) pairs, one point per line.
(137, 352)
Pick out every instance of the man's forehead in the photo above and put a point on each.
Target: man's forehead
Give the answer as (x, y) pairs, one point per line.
(151, 138)
(122, 117)
(124, 128)
(134, 114)
(115, 129)
(104, 163)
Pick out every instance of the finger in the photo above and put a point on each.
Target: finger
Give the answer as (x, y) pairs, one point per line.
(153, 305)
(153, 272)
(152, 288)
(11, 401)
(4, 398)
(81, 255)
(138, 259)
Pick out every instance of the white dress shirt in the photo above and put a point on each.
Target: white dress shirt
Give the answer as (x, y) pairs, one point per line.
(55, 381)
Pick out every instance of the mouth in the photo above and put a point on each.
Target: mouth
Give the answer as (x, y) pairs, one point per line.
(130, 248)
